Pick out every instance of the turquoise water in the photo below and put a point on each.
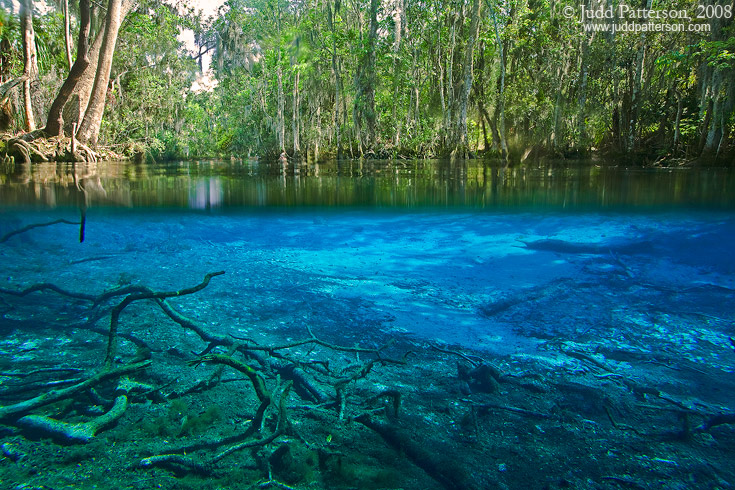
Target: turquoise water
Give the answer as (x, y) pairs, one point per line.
(404, 325)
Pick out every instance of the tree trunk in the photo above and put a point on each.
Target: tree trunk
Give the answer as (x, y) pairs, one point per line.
(76, 105)
(281, 119)
(720, 89)
(90, 128)
(714, 134)
(55, 120)
(450, 79)
(318, 132)
(485, 117)
(416, 85)
(636, 95)
(461, 144)
(582, 94)
(364, 108)
(295, 115)
(67, 35)
(556, 133)
(500, 110)
(77, 102)
(30, 62)
(337, 78)
(397, 18)
(440, 62)
(677, 122)
(369, 108)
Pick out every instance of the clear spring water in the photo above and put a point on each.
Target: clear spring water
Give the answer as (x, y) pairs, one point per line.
(611, 289)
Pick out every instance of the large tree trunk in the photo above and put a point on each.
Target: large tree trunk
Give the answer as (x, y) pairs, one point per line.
(369, 108)
(582, 93)
(281, 110)
(363, 112)
(318, 139)
(715, 131)
(30, 62)
(397, 20)
(719, 89)
(337, 76)
(90, 127)
(73, 110)
(557, 135)
(55, 121)
(73, 98)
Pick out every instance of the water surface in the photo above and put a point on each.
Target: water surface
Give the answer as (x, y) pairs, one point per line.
(417, 184)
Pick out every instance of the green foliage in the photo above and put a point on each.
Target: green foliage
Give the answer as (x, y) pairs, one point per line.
(49, 45)
(153, 75)
(565, 89)
(11, 51)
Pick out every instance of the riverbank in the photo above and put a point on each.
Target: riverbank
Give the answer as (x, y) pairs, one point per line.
(35, 146)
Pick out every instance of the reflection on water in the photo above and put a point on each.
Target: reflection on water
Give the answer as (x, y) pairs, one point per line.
(206, 193)
(404, 184)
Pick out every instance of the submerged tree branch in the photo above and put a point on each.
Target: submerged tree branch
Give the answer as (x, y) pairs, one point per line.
(10, 411)
(11, 234)
(146, 294)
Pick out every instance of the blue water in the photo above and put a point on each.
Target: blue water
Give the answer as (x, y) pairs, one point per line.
(610, 330)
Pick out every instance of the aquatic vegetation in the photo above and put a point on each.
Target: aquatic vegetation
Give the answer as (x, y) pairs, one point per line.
(195, 424)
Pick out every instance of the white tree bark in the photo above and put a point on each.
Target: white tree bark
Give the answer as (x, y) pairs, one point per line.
(30, 62)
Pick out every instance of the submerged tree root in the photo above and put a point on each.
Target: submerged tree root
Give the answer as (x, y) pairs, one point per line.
(265, 366)
(83, 432)
(184, 462)
(12, 411)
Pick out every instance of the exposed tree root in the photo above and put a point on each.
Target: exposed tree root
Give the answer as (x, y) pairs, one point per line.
(36, 147)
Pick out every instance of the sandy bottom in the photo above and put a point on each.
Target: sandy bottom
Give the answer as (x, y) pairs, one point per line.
(527, 350)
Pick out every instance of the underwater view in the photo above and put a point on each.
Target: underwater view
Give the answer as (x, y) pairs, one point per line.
(366, 325)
